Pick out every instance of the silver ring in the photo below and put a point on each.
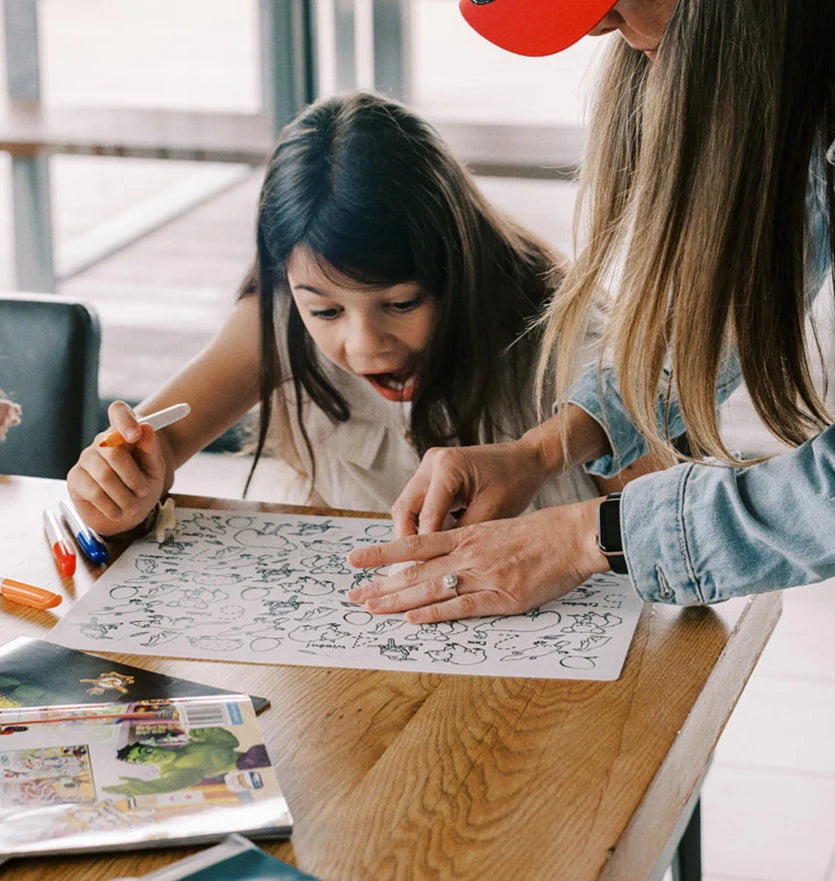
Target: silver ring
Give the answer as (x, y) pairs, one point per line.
(450, 582)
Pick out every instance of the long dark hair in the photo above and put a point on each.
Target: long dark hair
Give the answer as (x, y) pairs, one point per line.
(371, 189)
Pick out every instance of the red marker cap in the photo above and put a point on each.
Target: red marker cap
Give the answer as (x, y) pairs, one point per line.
(534, 27)
(60, 543)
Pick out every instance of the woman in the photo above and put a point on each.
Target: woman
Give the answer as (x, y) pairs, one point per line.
(706, 178)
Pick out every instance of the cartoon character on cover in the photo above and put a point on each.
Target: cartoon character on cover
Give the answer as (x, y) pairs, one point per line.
(210, 752)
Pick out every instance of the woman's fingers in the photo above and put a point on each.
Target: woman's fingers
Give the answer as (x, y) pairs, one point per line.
(407, 507)
(503, 567)
(409, 547)
(443, 494)
(427, 499)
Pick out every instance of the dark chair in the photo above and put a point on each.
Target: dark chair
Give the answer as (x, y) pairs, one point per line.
(49, 364)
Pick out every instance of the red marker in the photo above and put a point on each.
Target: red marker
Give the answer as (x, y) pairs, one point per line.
(60, 542)
(28, 594)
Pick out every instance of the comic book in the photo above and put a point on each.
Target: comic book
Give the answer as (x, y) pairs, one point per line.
(141, 774)
(34, 673)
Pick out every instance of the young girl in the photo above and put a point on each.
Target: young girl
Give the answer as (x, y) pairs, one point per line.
(709, 178)
(380, 319)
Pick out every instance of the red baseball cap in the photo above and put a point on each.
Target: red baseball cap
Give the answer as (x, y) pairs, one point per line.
(534, 27)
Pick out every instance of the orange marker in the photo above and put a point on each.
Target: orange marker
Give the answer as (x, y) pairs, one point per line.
(60, 543)
(28, 594)
(156, 420)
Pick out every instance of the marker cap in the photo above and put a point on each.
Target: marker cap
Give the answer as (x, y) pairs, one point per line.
(534, 27)
(28, 594)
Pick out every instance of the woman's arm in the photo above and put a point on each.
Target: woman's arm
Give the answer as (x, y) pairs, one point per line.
(692, 534)
(699, 534)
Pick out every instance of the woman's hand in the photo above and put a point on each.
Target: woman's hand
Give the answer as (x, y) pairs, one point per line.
(504, 567)
(494, 480)
(115, 488)
(490, 481)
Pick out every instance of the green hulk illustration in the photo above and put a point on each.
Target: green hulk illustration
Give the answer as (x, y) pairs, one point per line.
(211, 752)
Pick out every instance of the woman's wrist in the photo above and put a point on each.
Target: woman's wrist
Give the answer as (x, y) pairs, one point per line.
(584, 436)
(592, 559)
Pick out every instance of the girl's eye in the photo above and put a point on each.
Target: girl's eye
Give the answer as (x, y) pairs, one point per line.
(325, 314)
(405, 305)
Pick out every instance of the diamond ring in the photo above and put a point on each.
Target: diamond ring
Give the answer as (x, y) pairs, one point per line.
(450, 582)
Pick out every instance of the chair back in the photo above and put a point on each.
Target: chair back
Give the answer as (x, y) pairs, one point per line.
(49, 364)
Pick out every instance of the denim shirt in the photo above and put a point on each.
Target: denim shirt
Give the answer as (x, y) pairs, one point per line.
(701, 533)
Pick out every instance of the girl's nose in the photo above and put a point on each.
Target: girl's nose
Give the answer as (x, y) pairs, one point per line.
(365, 339)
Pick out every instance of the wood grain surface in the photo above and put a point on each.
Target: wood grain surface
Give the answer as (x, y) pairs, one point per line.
(418, 776)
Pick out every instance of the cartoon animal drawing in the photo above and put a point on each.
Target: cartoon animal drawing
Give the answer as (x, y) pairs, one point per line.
(395, 652)
(307, 586)
(460, 655)
(592, 622)
(326, 564)
(96, 629)
(270, 538)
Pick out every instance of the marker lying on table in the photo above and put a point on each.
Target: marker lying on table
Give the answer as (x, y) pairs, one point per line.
(93, 547)
(28, 594)
(59, 541)
(157, 420)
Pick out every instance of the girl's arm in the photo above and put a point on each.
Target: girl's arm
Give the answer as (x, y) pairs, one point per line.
(115, 488)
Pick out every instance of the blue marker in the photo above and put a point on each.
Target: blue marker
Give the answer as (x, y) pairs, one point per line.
(93, 547)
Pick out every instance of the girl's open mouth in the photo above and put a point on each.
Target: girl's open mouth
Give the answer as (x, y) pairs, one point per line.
(398, 386)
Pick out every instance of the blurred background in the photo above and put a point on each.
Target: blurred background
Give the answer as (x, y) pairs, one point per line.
(130, 163)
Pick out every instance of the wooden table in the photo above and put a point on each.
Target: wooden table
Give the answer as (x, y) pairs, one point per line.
(418, 776)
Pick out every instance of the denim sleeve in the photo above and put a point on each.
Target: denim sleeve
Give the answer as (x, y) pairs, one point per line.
(597, 392)
(700, 533)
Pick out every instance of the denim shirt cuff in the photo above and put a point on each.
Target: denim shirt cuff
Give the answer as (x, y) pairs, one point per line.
(625, 440)
(655, 540)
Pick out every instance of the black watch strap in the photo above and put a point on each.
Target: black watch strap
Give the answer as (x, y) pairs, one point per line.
(609, 538)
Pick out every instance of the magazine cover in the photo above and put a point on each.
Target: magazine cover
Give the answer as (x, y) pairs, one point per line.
(35, 673)
(139, 774)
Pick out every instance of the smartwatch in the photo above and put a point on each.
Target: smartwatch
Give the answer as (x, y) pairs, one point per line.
(609, 539)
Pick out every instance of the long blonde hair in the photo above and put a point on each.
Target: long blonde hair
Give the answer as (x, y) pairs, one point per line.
(694, 192)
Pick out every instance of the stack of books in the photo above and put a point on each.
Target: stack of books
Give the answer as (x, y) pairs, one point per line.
(99, 756)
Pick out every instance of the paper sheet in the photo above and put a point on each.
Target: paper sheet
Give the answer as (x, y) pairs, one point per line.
(269, 588)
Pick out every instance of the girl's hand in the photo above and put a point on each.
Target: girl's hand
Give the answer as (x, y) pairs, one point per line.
(504, 567)
(490, 481)
(115, 488)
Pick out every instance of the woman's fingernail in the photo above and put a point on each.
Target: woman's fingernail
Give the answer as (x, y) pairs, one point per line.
(373, 605)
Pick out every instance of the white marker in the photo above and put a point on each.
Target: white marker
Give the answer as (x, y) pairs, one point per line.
(157, 420)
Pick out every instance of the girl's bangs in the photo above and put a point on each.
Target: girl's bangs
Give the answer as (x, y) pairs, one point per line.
(371, 254)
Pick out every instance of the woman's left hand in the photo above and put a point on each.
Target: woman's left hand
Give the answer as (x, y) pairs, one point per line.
(503, 567)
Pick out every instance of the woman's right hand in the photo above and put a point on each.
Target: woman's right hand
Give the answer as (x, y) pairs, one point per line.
(493, 481)
(115, 488)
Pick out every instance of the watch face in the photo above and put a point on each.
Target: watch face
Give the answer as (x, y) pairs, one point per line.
(609, 538)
